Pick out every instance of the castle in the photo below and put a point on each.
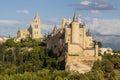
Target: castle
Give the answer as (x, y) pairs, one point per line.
(33, 31)
(71, 41)
(75, 43)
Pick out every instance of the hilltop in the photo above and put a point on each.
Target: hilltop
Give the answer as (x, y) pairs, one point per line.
(17, 62)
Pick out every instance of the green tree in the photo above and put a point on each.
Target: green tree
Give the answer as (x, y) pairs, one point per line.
(99, 44)
(2, 52)
(10, 43)
(97, 65)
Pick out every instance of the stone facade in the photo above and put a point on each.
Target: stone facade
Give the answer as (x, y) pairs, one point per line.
(73, 42)
(33, 31)
(23, 34)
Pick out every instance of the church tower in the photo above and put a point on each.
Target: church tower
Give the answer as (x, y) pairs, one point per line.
(34, 28)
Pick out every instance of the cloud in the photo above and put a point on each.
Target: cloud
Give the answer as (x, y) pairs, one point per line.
(22, 11)
(48, 27)
(10, 27)
(94, 5)
(94, 11)
(106, 31)
(85, 2)
(109, 41)
(51, 22)
(106, 26)
(9, 22)
(12, 23)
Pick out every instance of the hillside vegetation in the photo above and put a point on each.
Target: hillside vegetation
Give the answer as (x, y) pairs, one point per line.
(30, 60)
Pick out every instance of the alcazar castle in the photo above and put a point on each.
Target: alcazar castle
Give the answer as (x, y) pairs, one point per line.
(71, 40)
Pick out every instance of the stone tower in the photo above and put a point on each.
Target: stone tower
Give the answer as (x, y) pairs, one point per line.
(34, 28)
(75, 30)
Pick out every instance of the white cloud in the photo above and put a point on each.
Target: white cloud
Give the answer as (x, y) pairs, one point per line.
(12, 23)
(95, 11)
(106, 26)
(85, 3)
(22, 11)
(48, 27)
(109, 41)
(7, 22)
(95, 5)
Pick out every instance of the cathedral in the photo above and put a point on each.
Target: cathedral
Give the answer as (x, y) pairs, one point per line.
(75, 43)
(33, 31)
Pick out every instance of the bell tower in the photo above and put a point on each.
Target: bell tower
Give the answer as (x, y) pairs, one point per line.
(35, 28)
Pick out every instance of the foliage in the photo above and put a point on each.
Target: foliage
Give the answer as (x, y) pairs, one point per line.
(10, 43)
(100, 44)
(27, 56)
(30, 60)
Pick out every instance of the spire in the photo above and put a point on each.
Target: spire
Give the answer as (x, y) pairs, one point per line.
(74, 17)
(55, 28)
(36, 16)
(89, 33)
(36, 13)
(88, 30)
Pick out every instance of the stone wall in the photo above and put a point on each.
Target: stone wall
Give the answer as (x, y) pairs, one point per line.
(81, 64)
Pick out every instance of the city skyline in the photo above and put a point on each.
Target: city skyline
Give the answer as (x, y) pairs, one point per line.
(102, 16)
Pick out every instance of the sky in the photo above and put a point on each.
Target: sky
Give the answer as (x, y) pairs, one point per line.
(101, 16)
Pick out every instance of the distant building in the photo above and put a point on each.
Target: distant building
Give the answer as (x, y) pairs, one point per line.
(23, 34)
(106, 51)
(34, 31)
(3, 39)
(73, 42)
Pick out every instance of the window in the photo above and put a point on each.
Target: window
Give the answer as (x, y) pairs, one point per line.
(55, 46)
(37, 26)
(23, 34)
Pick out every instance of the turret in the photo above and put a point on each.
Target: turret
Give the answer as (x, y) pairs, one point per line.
(96, 49)
(75, 30)
(74, 17)
(63, 22)
(69, 21)
(54, 29)
(36, 16)
(84, 36)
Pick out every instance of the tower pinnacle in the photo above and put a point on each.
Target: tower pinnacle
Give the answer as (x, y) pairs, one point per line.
(55, 28)
(74, 17)
(37, 13)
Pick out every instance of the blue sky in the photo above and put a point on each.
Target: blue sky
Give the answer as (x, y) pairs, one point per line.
(102, 16)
